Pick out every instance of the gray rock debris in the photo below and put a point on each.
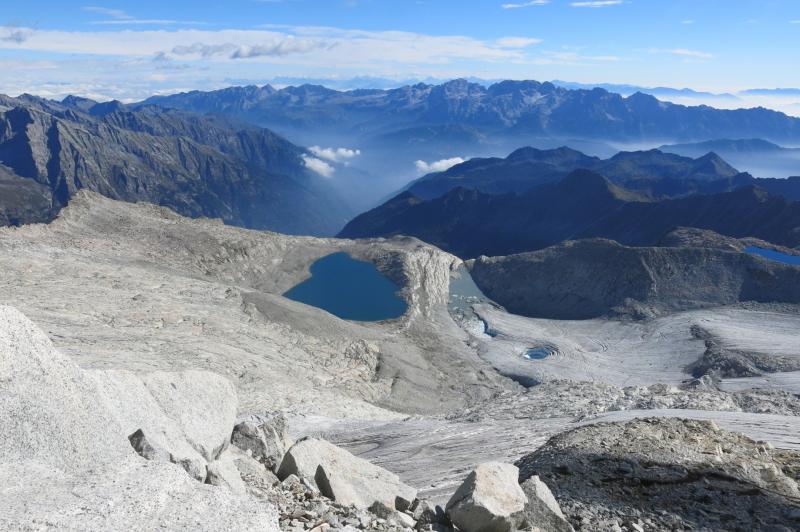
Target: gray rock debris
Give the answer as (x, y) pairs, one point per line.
(667, 474)
(343, 477)
(489, 500)
(264, 437)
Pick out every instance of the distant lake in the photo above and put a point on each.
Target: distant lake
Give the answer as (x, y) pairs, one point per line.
(774, 255)
(350, 289)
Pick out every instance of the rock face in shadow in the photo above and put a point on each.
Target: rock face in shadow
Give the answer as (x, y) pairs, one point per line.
(667, 474)
(23, 200)
(592, 278)
(197, 166)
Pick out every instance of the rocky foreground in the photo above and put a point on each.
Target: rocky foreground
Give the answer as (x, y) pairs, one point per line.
(152, 377)
(98, 450)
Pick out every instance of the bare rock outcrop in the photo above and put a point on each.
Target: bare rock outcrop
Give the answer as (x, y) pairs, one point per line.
(668, 474)
(593, 278)
(343, 477)
(263, 437)
(66, 461)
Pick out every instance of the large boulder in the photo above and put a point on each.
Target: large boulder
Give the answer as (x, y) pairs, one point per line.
(489, 500)
(264, 437)
(542, 510)
(66, 461)
(343, 477)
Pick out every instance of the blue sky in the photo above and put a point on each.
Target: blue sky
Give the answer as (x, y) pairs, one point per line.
(128, 50)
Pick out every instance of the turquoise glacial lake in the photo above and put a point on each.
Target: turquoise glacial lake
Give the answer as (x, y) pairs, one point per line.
(774, 255)
(350, 289)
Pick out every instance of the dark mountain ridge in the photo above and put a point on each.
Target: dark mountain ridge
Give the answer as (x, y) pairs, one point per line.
(652, 173)
(197, 165)
(486, 214)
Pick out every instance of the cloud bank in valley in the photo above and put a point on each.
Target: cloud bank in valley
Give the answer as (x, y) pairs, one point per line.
(438, 166)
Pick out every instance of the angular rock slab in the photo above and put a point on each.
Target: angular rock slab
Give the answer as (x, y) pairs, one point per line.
(66, 462)
(489, 500)
(542, 510)
(343, 477)
(264, 437)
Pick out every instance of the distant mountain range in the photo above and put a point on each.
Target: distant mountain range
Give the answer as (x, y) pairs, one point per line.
(196, 165)
(537, 198)
(659, 92)
(374, 82)
(758, 156)
(507, 108)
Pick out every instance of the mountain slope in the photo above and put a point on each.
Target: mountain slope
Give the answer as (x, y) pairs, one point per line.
(198, 166)
(470, 223)
(757, 156)
(652, 173)
(507, 107)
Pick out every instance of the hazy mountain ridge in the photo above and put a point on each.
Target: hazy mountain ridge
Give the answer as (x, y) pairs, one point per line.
(511, 107)
(758, 156)
(650, 173)
(196, 165)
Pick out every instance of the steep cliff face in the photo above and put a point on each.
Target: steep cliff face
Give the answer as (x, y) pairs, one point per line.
(195, 165)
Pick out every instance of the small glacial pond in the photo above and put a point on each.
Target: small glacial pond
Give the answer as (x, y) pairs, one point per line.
(350, 289)
(774, 255)
(537, 353)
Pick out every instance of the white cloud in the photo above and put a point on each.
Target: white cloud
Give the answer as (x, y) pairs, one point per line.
(684, 52)
(119, 17)
(573, 58)
(318, 166)
(336, 155)
(525, 4)
(598, 3)
(333, 46)
(274, 48)
(517, 42)
(113, 13)
(438, 166)
(687, 21)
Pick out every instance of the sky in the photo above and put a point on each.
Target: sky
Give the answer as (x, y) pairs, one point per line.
(129, 50)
